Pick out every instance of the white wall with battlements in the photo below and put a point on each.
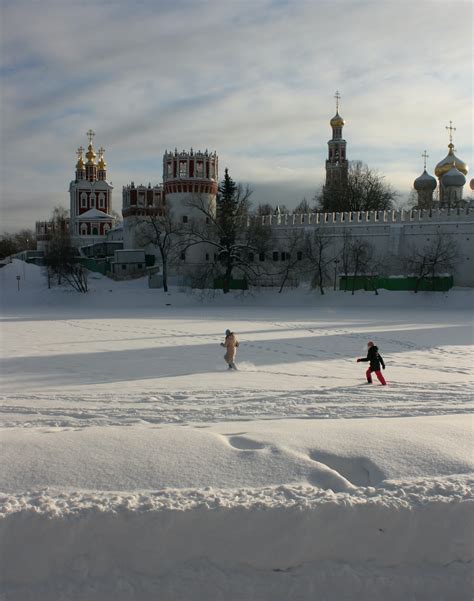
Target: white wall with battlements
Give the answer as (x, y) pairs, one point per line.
(392, 234)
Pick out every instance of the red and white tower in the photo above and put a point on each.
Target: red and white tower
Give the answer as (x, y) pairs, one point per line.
(90, 198)
(336, 163)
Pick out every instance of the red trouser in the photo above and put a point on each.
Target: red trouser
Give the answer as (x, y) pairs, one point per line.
(378, 373)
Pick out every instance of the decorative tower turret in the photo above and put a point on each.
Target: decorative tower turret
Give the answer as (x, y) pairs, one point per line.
(189, 176)
(425, 184)
(90, 198)
(446, 165)
(336, 163)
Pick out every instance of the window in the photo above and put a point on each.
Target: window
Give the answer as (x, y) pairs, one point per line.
(299, 255)
(284, 256)
(124, 266)
(251, 257)
(207, 256)
(83, 229)
(261, 256)
(92, 199)
(208, 221)
(139, 265)
(275, 255)
(83, 200)
(199, 169)
(183, 169)
(185, 219)
(101, 200)
(183, 256)
(170, 169)
(95, 231)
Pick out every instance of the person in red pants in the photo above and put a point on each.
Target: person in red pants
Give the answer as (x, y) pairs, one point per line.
(375, 359)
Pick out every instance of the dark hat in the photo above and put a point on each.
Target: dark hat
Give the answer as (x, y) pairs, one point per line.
(227, 332)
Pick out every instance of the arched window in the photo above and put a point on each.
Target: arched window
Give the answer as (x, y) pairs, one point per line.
(92, 199)
(95, 231)
(101, 201)
(83, 229)
(106, 228)
(83, 200)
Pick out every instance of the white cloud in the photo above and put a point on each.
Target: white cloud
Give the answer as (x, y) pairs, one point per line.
(252, 79)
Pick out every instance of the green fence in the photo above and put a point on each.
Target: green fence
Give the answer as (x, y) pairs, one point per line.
(362, 282)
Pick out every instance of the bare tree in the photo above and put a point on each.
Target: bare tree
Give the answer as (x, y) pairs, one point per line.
(293, 257)
(435, 258)
(365, 190)
(303, 208)
(160, 229)
(360, 257)
(317, 247)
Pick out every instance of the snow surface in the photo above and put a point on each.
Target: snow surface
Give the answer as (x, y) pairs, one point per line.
(134, 465)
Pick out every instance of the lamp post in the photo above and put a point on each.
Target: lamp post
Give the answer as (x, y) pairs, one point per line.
(336, 263)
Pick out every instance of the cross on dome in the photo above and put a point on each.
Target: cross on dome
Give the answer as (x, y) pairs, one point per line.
(90, 134)
(79, 152)
(425, 155)
(451, 129)
(337, 96)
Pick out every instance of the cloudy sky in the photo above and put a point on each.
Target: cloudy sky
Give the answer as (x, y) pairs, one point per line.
(252, 79)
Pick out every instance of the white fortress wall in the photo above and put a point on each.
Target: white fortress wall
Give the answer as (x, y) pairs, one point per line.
(392, 234)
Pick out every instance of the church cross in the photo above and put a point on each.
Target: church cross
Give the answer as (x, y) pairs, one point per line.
(451, 129)
(79, 151)
(425, 156)
(90, 134)
(337, 96)
(101, 151)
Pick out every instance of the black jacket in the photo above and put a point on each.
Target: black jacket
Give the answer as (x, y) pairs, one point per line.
(374, 358)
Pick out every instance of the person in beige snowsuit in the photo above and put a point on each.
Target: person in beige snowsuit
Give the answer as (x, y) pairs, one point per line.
(230, 343)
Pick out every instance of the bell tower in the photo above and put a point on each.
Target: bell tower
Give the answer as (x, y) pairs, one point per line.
(336, 163)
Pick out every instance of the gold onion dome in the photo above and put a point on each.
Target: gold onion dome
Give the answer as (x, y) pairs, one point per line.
(446, 164)
(101, 164)
(471, 184)
(90, 155)
(80, 164)
(337, 121)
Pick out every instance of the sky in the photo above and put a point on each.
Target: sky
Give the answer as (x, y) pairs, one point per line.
(252, 79)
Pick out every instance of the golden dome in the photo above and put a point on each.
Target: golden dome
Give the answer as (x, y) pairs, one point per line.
(101, 164)
(90, 155)
(446, 164)
(337, 121)
(80, 164)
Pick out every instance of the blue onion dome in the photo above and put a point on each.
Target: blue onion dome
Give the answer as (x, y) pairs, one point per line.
(425, 182)
(453, 178)
(445, 165)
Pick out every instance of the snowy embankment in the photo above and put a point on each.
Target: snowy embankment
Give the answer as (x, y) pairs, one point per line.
(133, 466)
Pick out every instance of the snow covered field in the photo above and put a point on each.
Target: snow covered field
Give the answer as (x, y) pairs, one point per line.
(133, 465)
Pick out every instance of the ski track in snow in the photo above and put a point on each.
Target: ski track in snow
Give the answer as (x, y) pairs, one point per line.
(358, 401)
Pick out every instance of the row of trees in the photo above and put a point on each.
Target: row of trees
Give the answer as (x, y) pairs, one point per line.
(10, 244)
